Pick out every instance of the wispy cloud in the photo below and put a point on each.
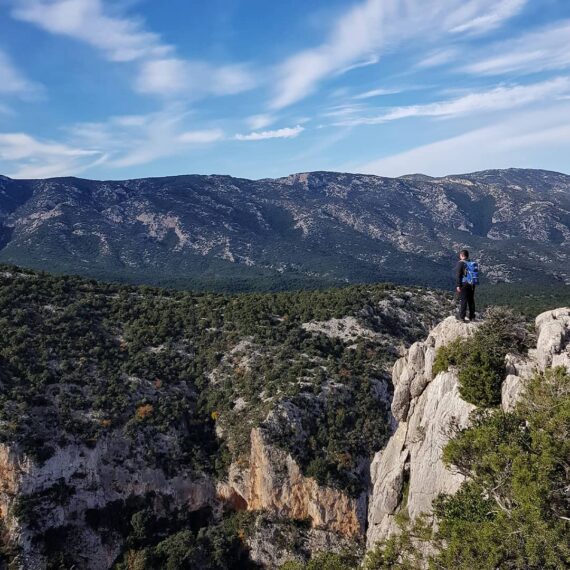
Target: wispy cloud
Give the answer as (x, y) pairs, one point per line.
(499, 98)
(372, 60)
(345, 110)
(139, 139)
(120, 38)
(380, 92)
(256, 122)
(177, 76)
(437, 58)
(526, 139)
(544, 49)
(286, 133)
(125, 39)
(201, 137)
(13, 81)
(470, 18)
(376, 25)
(28, 157)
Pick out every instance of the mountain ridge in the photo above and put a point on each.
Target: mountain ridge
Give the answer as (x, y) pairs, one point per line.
(404, 176)
(319, 228)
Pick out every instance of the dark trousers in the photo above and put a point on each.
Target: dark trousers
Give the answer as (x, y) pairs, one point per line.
(467, 298)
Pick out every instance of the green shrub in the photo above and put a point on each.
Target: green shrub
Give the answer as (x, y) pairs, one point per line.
(401, 550)
(480, 358)
(512, 512)
(326, 561)
(452, 354)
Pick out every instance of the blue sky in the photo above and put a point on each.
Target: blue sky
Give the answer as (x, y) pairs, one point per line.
(124, 89)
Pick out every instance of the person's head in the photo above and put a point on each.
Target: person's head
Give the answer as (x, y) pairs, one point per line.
(463, 254)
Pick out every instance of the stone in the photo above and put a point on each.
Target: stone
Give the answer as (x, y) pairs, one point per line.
(276, 484)
(425, 408)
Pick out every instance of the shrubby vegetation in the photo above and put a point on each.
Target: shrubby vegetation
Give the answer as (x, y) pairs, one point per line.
(513, 512)
(178, 542)
(524, 298)
(80, 358)
(480, 359)
(325, 561)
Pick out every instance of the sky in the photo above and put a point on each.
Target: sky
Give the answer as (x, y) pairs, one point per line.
(123, 89)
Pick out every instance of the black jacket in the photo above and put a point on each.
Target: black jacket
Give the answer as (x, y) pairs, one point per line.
(459, 273)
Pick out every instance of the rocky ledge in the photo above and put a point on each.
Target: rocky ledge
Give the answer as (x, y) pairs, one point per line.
(408, 473)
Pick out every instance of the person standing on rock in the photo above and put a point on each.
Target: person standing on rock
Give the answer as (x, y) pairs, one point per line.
(466, 279)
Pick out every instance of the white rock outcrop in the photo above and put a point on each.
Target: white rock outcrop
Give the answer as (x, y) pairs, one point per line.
(408, 473)
(424, 408)
(552, 350)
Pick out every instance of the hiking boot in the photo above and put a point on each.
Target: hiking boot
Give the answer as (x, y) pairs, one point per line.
(460, 319)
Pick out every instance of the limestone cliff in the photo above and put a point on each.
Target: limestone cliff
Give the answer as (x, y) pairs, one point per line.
(552, 349)
(272, 482)
(408, 473)
(76, 480)
(277, 484)
(422, 407)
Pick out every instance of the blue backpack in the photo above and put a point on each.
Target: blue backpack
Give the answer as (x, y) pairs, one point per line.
(471, 273)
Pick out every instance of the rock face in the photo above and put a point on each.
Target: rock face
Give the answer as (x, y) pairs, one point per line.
(408, 473)
(276, 484)
(326, 519)
(276, 541)
(94, 478)
(552, 350)
(77, 468)
(423, 408)
(85, 479)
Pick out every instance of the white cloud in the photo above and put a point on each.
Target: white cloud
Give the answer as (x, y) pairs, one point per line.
(120, 38)
(28, 157)
(380, 92)
(523, 139)
(124, 39)
(372, 60)
(470, 18)
(500, 98)
(12, 81)
(544, 49)
(261, 121)
(376, 25)
(437, 58)
(133, 140)
(175, 76)
(286, 133)
(201, 137)
(345, 110)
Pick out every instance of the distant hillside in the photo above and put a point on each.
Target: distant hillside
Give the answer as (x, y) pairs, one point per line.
(305, 230)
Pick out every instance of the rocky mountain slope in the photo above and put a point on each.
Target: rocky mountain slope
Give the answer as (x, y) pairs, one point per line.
(306, 229)
(141, 427)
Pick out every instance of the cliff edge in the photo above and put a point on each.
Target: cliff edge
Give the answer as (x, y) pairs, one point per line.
(408, 474)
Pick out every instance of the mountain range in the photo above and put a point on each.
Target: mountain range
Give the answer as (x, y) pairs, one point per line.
(303, 230)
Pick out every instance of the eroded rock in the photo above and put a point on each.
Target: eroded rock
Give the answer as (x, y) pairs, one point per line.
(411, 464)
(409, 474)
(277, 484)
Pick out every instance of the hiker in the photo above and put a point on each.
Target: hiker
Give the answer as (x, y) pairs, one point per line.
(466, 279)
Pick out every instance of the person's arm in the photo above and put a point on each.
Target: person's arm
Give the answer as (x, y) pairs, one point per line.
(459, 271)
